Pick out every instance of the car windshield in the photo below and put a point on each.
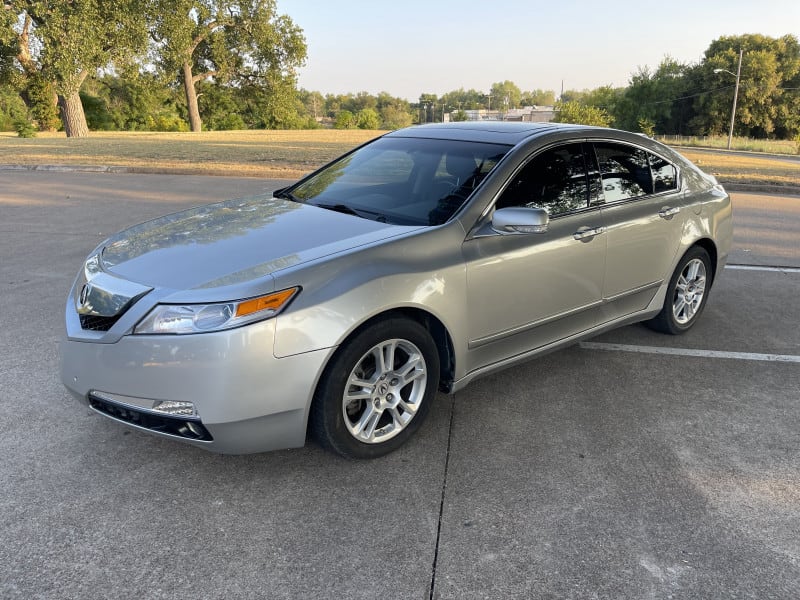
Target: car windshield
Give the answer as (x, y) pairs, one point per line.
(403, 181)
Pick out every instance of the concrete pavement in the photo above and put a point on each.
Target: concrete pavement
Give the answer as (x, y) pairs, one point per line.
(588, 473)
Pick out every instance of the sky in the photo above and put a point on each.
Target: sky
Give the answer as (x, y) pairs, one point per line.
(411, 47)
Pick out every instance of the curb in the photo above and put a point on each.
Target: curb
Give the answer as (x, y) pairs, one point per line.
(140, 171)
(761, 188)
(68, 168)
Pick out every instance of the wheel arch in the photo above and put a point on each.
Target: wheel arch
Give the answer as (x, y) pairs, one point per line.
(439, 332)
(711, 248)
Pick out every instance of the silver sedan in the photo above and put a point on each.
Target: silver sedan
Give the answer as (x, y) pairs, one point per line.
(415, 263)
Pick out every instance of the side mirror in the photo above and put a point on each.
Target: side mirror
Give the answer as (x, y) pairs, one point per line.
(516, 220)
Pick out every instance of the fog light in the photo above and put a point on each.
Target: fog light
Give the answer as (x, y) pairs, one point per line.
(176, 408)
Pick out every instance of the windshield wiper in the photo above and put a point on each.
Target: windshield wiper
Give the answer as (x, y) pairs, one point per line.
(349, 210)
(285, 195)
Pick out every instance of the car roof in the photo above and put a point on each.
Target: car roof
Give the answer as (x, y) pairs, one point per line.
(495, 132)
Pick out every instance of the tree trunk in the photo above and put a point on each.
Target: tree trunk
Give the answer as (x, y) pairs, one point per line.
(191, 99)
(72, 115)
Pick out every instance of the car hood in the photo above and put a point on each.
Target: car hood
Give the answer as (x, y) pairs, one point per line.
(235, 242)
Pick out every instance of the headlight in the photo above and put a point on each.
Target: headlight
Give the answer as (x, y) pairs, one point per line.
(202, 318)
(92, 267)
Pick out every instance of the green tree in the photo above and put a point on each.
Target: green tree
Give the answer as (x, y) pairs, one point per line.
(12, 108)
(344, 120)
(394, 117)
(131, 100)
(505, 95)
(575, 112)
(273, 104)
(766, 106)
(62, 43)
(538, 98)
(368, 118)
(243, 42)
(314, 103)
(658, 97)
(462, 99)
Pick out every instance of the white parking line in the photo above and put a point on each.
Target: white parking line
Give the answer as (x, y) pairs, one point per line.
(790, 358)
(757, 268)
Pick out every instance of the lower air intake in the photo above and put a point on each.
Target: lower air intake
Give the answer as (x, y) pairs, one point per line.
(182, 427)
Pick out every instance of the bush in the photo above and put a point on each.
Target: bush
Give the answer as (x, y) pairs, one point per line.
(12, 109)
(167, 123)
(24, 128)
(231, 121)
(368, 119)
(647, 126)
(344, 120)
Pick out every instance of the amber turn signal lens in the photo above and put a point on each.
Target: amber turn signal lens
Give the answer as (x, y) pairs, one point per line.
(272, 302)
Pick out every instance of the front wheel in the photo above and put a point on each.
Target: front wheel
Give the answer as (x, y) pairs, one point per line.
(377, 390)
(686, 295)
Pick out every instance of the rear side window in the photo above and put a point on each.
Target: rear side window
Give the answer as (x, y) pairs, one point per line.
(628, 172)
(665, 175)
(624, 171)
(555, 180)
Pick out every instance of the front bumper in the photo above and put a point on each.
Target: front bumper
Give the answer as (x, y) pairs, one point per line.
(247, 399)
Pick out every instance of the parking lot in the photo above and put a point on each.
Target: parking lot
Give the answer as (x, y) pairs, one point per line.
(634, 465)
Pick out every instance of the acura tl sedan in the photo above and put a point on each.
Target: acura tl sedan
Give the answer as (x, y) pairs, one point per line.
(338, 306)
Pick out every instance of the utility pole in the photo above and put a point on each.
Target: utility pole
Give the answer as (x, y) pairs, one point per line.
(735, 98)
(735, 95)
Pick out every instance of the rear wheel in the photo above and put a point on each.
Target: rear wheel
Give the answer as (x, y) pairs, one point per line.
(686, 295)
(377, 390)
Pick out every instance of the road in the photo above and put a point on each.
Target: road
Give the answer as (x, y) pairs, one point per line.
(623, 468)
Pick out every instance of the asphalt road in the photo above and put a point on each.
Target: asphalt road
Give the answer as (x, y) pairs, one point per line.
(623, 468)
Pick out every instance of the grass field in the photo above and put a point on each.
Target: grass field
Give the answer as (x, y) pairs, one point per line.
(287, 154)
(747, 168)
(737, 143)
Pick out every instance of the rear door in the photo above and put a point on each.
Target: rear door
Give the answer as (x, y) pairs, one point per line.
(642, 207)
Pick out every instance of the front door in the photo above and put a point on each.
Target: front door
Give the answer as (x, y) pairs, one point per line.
(528, 290)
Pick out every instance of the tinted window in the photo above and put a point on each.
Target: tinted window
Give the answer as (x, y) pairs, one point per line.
(392, 166)
(624, 170)
(554, 180)
(665, 175)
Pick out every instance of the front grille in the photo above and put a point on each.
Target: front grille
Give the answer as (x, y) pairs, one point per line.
(188, 428)
(95, 323)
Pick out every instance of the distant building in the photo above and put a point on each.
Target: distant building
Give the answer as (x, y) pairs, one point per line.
(530, 114)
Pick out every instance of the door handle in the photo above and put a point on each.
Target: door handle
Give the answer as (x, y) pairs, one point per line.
(667, 212)
(587, 233)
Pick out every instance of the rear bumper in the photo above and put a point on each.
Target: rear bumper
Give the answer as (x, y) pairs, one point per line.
(245, 398)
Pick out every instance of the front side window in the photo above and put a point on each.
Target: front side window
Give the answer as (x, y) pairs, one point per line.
(404, 181)
(555, 180)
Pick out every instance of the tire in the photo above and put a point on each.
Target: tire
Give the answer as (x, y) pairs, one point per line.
(686, 295)
(362, 409)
